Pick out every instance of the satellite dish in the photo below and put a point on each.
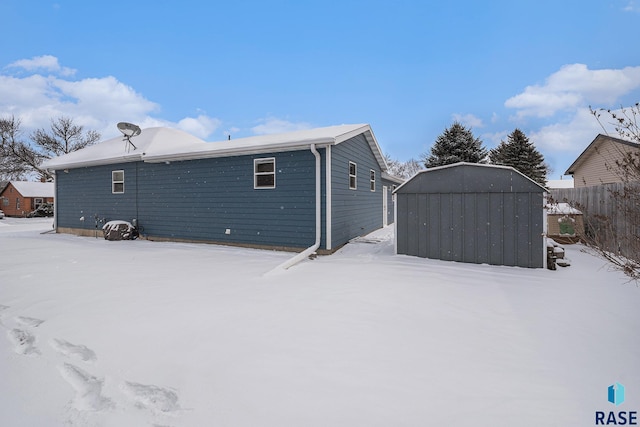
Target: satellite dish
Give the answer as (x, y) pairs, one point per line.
(129, 130)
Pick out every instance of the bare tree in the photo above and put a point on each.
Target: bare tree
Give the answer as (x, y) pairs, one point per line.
(17, 159)
(63, 138)
(616, 237)
(401, 169)
(625, 123)
(20, 158)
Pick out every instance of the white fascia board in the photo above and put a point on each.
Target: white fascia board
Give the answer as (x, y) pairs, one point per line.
(371, 140)
(96, 162)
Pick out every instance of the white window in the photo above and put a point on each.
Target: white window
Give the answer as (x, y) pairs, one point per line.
(353, 176)
(37, 202)
(117, 182)
(264, 173)
(372, 180)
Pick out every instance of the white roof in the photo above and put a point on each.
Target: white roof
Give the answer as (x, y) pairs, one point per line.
(117, 150)
(480, 165)
(562, 209)
(34, 189)
(560, 183)
(165, 144)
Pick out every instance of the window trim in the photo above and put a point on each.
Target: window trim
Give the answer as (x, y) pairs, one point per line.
(372, 180)
(115, 181)
(256, 174)
(354, 176)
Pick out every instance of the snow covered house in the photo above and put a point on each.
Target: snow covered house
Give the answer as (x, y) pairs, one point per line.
(19, 198)
(473, 213)
(287, 191)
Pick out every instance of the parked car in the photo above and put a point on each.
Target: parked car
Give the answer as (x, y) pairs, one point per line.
(1, 215)
(45, 209)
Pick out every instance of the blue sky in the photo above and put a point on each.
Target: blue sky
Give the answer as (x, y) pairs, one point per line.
(408, 68)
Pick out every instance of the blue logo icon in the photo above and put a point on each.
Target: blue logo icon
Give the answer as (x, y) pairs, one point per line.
(616, 394)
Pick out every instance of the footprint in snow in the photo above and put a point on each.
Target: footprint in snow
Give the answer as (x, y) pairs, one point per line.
(79, 352)
(30, 322)
(23, 342)
(3, 308)
(152, 397)
(88, 389)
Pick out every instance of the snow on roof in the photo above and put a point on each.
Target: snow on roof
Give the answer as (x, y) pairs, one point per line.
(297, 140)
(118, 150)
(165, 144)
(481, 165)
(560, 183)
(562, 209)
(34, 189)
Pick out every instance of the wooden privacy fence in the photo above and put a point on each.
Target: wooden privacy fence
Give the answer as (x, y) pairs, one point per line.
(611, 215)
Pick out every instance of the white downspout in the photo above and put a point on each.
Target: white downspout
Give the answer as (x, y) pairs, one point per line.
(328, 198)
(55, 201)
(311, 249)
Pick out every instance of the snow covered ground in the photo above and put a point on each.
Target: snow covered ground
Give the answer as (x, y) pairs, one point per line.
(138, 333)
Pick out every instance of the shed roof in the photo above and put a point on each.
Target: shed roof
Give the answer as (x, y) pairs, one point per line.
(165, 144)
(593, 148)
(34, 189)
(470, 178)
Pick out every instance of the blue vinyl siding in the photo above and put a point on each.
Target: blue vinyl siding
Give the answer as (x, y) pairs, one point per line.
(354, 212)
(84, 194)
(200, 199)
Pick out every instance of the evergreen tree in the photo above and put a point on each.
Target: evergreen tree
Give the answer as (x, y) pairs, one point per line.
(455, 144)
(519, 153)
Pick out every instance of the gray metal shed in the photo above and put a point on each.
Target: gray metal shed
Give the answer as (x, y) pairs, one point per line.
(466, 212)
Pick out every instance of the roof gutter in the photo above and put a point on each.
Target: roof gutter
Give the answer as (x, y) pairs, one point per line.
(52, 166)
(311, 249)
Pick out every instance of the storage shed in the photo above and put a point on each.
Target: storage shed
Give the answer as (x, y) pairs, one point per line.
(473, 213)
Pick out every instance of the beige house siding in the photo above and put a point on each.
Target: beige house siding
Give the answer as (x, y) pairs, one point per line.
(599, 166)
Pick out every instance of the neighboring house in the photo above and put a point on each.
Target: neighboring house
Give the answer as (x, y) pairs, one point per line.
(468, 212)
(597, 163)
(18, 198)
(257, 191)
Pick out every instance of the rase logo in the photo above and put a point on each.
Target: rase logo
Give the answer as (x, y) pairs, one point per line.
(615, 395)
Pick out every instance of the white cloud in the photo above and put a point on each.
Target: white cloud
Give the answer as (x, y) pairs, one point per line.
(271, 125)
(571, 136)
(468, 120)
(632, 6)
(201, 126)
(96, 103)
(493, 139)
(572, 87)
(44, 62)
